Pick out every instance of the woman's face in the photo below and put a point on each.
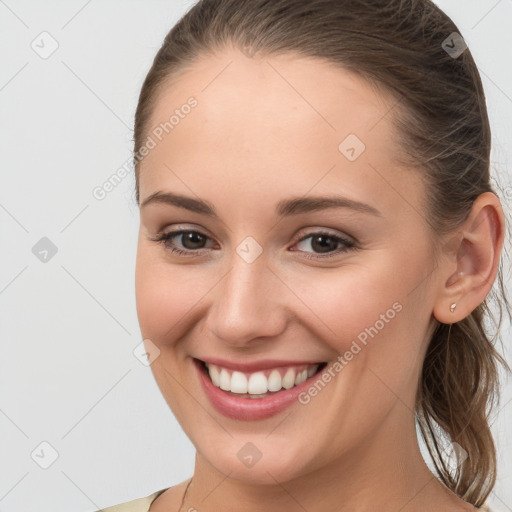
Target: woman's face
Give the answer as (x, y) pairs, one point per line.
(264, 277)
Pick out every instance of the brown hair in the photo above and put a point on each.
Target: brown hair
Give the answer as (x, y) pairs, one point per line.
(441, 116)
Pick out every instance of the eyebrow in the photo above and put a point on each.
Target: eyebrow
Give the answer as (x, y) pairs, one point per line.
(284, 208)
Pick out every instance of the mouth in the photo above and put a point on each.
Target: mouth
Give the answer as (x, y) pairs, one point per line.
(259, 384)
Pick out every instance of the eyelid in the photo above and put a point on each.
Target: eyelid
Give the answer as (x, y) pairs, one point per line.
(303, 233)
(316, 230)
(348, 242)
(163, 236)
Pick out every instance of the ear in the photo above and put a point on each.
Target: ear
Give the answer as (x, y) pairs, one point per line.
(470, 260)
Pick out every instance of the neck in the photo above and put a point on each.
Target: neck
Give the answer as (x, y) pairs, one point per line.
(385, 473)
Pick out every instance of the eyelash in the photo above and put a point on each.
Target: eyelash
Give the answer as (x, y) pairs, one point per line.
(165, 237)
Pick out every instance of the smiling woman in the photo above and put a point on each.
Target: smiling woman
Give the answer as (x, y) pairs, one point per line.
(318, 245)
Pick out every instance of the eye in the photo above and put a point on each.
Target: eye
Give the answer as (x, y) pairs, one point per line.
(193, 243)
(190, 239)
(326, 244)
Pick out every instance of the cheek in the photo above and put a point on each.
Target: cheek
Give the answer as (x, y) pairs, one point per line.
(349, 299)
(369, 316)
(168, 297)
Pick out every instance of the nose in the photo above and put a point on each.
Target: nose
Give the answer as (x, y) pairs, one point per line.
(249, 303)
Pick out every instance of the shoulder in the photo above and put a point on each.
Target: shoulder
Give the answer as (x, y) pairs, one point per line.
(137, 505)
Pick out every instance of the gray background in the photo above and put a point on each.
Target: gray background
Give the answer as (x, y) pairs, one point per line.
(68, 326)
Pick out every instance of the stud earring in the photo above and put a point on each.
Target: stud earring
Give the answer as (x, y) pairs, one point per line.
(452, 307)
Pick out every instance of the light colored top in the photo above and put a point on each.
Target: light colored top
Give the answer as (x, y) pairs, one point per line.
(143, 504)
(138, 505)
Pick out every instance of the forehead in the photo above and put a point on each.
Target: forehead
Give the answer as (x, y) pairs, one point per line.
(275, 126)
(270, 94)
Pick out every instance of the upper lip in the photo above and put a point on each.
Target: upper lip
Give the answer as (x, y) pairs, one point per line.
(254, 366)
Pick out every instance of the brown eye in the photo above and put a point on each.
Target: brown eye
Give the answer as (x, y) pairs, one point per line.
(192, 241)
(325, 243)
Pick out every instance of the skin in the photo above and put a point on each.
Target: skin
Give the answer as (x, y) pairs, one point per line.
(265, 130)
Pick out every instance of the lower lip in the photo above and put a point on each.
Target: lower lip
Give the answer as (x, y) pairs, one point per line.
(250, 408)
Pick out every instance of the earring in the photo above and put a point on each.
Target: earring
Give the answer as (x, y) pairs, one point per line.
(452, 307)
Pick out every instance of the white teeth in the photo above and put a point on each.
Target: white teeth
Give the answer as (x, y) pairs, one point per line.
(274, 381)
(238, 383)
(225, 380)
(301, 377)
(257, 383)
(215, 375)
(289, 378)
